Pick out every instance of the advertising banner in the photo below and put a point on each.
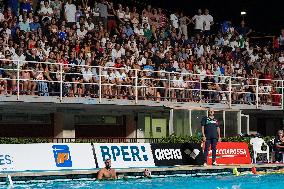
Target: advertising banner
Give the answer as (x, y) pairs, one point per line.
(124, 155)
(177, 154)
(46, 157)
(231, 153)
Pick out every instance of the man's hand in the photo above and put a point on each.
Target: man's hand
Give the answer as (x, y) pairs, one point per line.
(219, 139)
(204, 139)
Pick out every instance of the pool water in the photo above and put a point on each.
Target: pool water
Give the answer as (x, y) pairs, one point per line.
(275, 181)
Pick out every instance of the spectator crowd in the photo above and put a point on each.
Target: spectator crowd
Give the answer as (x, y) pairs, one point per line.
(87, 43)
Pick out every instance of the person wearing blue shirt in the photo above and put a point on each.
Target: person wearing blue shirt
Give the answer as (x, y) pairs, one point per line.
(35, 25)
(25, 6)
(210, 135)
(128, 30)
(13, 4)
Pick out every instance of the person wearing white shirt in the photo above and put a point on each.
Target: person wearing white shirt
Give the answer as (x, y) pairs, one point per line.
(87, 74)
(1, 17)
(142, 60)
(19, 56)
(116, 53)
(208, 22)
(70, 11)
(174, 19)
(81, 32)
(138, 30)
(46, 11)
(89, 24)
(198, 20)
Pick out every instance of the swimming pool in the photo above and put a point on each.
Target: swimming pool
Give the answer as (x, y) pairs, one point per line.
(275, 181)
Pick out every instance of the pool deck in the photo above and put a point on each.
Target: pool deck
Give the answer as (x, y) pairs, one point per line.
(159, 171)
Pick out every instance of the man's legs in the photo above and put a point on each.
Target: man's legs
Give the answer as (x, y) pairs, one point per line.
(213, 147)
(206, 149)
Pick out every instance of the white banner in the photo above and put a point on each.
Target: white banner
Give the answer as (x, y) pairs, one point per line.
(125, 155)
(23, 157)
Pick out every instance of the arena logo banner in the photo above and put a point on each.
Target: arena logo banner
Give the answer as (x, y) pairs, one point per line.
(231, 153)
(124, 155)
(46, 157)
(177, 154)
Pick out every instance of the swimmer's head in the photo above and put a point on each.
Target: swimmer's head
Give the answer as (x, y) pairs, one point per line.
(147, 173)
(108, 163)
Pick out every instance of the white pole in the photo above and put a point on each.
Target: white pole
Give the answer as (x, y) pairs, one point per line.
(100, 84)
(256, 93)
(224, 121)
(248, 128)
(282, 95)
(189, 117)
(171, 122)
(136, 87)
(61, 82)
(18, 81)
(230, 92)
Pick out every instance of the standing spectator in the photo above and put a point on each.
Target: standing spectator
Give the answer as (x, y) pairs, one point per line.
(208, 22)
(70, 12)
(243, 30)
(134, 17)
(175, 21)
(25, 6)
(46, 11)
(184, 22)
(56, 6)
(103, 10)
(211, 135)
(13, 4)
(162, 18)
(198, 20)
(281, 40)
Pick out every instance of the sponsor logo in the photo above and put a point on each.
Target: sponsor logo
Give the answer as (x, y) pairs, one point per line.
(193, 154)
(229, 153)
(127, 153)
(5, 160)
(62, 156)
(168, 154)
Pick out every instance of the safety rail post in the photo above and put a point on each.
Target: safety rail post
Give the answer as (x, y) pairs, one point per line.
(100, 84)
(61, 82)
(230, 92)
(136, 86)
(169, 86)
(256, 93)
(18, 81)
(200, 88)
(282, 95)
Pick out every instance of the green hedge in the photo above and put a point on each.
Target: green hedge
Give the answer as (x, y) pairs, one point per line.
(23, 140)
(170, 139)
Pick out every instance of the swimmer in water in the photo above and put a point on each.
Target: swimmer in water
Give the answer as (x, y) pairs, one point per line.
(107, 173)
(146, 173)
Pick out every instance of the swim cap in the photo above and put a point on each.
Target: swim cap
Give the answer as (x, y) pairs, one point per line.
(253, 170)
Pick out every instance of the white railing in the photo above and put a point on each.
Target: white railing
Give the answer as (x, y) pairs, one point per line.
(33, 78)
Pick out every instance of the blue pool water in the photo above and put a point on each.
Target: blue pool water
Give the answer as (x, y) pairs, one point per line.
(275, 181)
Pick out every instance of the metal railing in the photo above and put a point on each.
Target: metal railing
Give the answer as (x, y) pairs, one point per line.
(67, 80)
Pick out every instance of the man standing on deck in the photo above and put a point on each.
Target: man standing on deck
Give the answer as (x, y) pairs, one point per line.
(107, 173)
(211, 135)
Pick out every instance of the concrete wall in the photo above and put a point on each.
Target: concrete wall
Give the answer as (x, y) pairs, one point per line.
(64, 125)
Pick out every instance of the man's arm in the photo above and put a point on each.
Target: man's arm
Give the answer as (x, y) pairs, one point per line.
(218, 132)
(203, 134)
(114, 175)
(100, 175)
